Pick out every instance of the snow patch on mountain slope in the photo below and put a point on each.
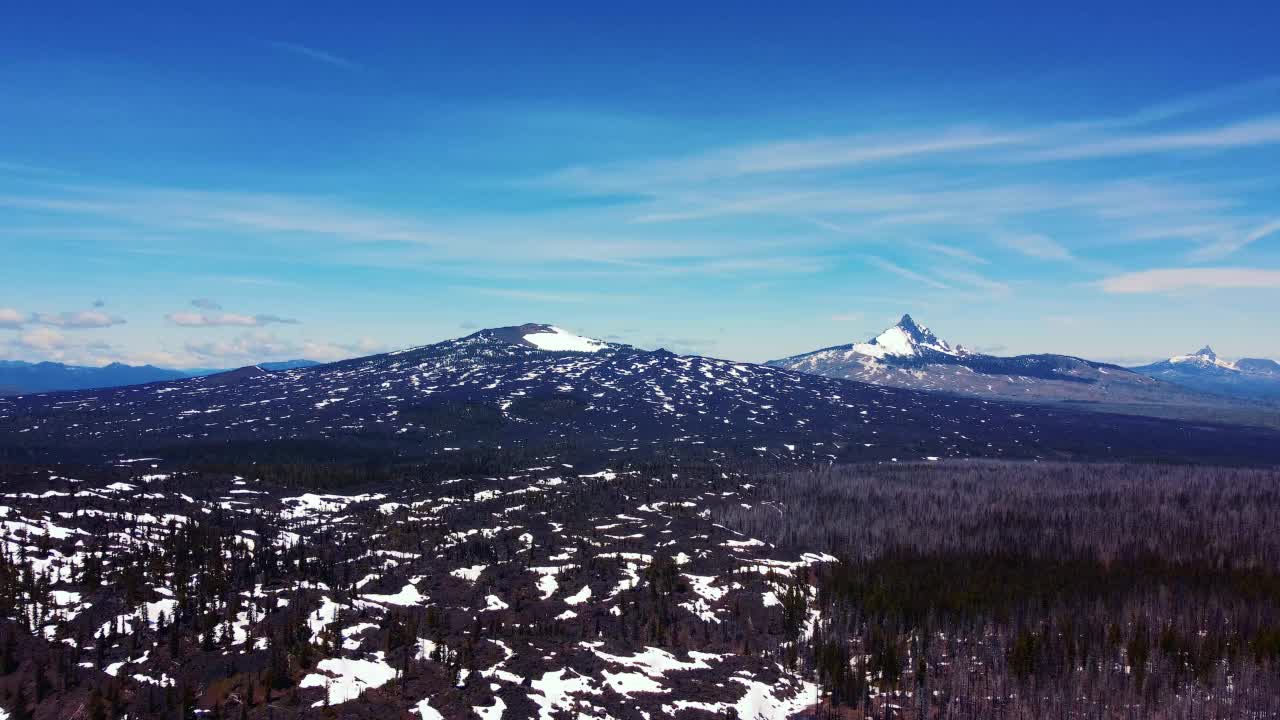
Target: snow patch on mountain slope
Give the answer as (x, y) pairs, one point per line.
(559, 340)
(890, 342)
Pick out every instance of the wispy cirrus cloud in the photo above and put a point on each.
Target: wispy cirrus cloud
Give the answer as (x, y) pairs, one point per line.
(877, 186)
(532, 295)
(928, 198)
(1230, 243)
(338, 232)
(183, 210)
(948, 251)
(989, 144)
(1164, 280)
(959, 276)
(903, 272)
(1035, 245)
(778, 157)
(1252, 133)
(315, 54)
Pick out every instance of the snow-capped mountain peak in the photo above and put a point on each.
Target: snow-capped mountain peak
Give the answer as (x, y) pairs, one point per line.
(1204, 356)
(910, 325)
(910, 355)
(1205, 371)
(906, 339)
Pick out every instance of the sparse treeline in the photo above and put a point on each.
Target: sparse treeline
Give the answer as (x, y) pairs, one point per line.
(989, 590)
(967, 590)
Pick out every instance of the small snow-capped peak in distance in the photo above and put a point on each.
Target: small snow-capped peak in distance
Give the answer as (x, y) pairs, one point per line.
(907, 338)
(1204, 356)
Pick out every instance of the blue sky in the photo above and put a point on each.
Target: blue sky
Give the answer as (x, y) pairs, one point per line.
(218, 186)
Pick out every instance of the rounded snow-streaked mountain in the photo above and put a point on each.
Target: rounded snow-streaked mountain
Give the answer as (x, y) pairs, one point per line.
(540, 385)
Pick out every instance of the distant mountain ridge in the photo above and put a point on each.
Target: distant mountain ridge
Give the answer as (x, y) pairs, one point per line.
(18, 377)
(910, 355)
(1203, 370)
(536, 386)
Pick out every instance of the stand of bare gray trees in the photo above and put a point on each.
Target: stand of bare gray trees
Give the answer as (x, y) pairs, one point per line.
(994, 590)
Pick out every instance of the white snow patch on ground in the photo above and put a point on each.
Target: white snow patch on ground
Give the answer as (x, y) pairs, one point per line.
(629, 682)
(470, 574)
(758, 703)
(408, 595)
(350, 641)
(556, 692)
(427, 712)
(319, 619)
(654, 661)
(547, 585)
(345, 678)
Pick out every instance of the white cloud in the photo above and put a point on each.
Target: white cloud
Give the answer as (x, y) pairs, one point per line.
(197, 319)
(254, 347)
(12, 319)
(43, 339)
(79, 320)
(1174, 279)
(42, 343)
(47, 343)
